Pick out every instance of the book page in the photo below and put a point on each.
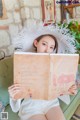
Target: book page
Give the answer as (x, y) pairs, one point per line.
(63, 73)
(32, 72)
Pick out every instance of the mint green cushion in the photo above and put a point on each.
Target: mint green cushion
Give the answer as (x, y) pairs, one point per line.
(64, 105)
(4, 96)
(6, 75)
(11, 114)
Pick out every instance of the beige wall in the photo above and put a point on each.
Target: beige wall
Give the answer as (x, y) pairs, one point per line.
(19, 13)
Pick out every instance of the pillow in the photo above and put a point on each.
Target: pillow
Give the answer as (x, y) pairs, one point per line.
(5, 79)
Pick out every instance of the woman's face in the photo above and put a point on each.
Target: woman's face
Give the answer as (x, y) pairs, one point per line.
(45, 45)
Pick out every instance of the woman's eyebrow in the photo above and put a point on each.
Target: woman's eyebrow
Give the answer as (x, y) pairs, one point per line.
(52, 45)
(45, 41)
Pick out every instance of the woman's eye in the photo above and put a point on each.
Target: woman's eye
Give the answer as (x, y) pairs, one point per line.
(51, 48)
(43, 44)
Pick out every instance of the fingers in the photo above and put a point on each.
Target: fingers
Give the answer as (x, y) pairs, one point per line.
(74, 86)
(73, 89)
(14, 89)
(14, 85)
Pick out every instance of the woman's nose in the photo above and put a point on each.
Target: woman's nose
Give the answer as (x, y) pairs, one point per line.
(47, 49)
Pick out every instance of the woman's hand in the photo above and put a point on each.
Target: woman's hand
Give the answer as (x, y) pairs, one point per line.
(73, 90)
(16, 91)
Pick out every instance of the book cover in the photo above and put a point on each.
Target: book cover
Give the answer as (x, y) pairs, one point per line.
(44, 76)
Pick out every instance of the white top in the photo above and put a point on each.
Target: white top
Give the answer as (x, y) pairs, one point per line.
(16, 104)
(29, 107)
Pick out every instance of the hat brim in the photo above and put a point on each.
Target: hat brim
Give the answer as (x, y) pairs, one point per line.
(25, 39)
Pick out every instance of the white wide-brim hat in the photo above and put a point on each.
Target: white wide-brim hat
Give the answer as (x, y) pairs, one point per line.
(24, 40)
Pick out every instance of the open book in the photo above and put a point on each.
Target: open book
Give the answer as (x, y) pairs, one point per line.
(44, 76)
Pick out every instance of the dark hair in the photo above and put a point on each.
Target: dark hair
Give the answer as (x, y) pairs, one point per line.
(53, 37)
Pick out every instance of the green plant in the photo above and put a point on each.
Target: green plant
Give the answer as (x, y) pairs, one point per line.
(74, 29)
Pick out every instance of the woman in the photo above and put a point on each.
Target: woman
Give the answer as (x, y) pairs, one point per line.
(30, 109)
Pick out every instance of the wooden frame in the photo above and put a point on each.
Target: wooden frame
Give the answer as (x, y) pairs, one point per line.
(4, 16)
(70, 9)
(48, 11)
